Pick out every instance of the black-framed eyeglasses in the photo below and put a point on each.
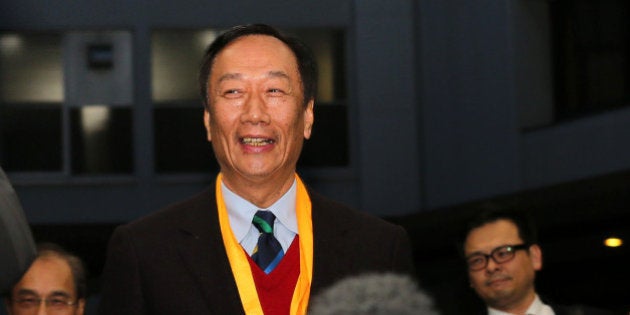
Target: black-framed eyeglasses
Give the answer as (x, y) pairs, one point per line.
(501, 254)
(54, 304)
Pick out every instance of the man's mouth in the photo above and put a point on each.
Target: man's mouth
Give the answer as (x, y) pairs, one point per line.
(256, 142)
(497, 280)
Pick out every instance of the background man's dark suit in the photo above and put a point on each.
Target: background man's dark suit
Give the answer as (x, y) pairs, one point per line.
(573, 310)
(579, 310)
(174, 261)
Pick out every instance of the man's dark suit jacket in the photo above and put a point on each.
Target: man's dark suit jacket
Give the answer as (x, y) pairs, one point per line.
(174, 261)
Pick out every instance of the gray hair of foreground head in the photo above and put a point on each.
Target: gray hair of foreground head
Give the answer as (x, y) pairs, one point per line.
(373, 294)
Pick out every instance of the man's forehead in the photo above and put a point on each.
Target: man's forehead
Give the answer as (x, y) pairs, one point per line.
(253, 49)
(47, 274)
(491, 235)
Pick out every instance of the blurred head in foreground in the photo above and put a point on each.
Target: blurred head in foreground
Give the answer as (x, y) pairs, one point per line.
(374, 294)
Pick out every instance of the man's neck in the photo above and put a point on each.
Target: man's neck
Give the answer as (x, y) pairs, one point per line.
(518, 307)
(261, 192)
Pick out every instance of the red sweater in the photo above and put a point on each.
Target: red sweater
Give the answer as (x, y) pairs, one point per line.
(275, 290)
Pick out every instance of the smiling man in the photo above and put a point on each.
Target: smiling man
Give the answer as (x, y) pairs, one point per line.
(258, 241)
(502, 255)
(502, 262)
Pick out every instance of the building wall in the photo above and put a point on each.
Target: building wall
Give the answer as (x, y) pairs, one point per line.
(484, 79)
(381, 103)
(445, 103)
(439, 95)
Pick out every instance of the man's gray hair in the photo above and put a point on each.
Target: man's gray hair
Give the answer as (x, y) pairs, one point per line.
(77, 267)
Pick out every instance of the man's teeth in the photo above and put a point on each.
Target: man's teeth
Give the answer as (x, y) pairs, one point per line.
(256, 141)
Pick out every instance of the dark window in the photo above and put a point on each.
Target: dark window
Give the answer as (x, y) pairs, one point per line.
(591, 56)
(180, 141)
(101, 140)
(328, 145)
(30, 137)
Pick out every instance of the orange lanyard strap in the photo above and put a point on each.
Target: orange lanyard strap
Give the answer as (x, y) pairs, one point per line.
(240, 266)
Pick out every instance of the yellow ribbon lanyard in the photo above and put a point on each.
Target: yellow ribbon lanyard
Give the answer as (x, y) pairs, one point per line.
(240, 266)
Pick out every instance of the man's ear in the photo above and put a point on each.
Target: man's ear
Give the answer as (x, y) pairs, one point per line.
(81, 307)
(309, 119)
(535, 255)
(206, 123)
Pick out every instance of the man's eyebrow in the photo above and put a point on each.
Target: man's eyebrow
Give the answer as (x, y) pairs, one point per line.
(278, 74)
(238, 76)
(230, 76)
(477, 252)
(59, 293)
(26, 292)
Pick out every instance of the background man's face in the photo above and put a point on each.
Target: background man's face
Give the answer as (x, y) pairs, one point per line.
(507, 283)
(48, 277)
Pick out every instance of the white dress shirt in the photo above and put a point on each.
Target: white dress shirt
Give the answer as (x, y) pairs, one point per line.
(241, 213)
(536, 308)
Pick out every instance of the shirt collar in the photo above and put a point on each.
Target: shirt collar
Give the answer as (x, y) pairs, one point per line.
(241, 212)
(536, 308)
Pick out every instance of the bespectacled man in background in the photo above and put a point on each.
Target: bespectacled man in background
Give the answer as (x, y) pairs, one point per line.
(54, 284)
(503, 256)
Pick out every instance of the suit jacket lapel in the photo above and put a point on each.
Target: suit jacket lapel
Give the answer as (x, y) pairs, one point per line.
(200, 246)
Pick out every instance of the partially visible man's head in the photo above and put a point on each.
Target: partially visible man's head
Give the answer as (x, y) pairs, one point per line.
(502, 256)
(54, 284)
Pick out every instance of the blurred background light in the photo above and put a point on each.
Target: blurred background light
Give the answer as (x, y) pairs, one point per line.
(613, 242)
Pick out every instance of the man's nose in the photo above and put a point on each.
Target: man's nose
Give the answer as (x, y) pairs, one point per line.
(42, 309)
(492, 265)
(255, 110)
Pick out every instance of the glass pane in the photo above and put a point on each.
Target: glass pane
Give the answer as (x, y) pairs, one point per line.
(592, 56)
(180, 141)
(101, 140)
(31, 92)
(175, 58)
(328, 47)
(30, 137)
(176, 54)
(328, 145)
(31, 68)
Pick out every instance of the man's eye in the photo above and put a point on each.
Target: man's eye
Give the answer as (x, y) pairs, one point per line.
(275, 91)
(28, 301)
(232, 93)
(475, 260)
(502, 253)
(58, 302)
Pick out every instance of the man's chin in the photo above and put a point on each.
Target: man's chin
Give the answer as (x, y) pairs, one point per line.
(499, 297)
